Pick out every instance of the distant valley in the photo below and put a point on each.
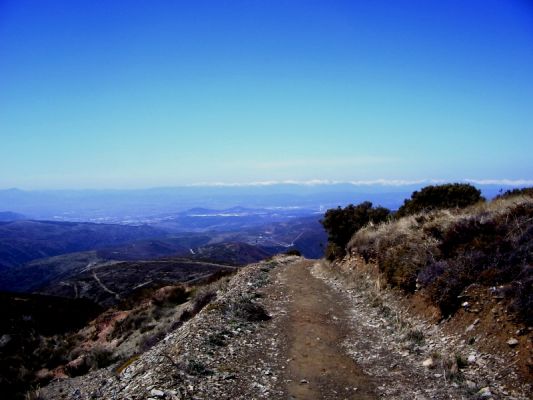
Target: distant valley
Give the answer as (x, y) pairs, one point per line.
(125, 285)
(73, 259)
(58, 276)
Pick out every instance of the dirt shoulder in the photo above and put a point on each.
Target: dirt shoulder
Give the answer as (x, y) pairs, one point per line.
(413, 355)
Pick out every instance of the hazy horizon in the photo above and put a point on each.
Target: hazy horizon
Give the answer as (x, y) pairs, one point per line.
(389, 183)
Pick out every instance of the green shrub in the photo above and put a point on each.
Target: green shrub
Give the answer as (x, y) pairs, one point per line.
(342, 223)
(434, 197)
(402, 263)
(150, 340)
(100, 357)
(430, 274)
(249, 310)
(516, 192)
(195, 367)
(216, 339)
(487, 249)
(134, 321)
(201, 299)
(334, 252)
(170, 295)
(415, 336)
(445, 290)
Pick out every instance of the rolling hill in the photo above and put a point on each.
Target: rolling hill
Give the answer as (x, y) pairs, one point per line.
(23, 241)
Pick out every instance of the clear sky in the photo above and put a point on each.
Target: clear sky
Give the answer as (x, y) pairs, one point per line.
(149, 93)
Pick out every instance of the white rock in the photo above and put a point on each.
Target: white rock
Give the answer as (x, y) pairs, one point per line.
(429, 363)
(471, 359)
(485, 392)
(470, 385)
(512, 342)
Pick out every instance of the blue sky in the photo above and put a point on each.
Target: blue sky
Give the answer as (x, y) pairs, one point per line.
(161, 93)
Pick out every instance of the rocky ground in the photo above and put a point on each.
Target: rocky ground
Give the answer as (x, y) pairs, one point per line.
(293, 328)
(415, 357)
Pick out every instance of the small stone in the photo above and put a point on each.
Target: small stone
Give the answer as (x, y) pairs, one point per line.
(484, 392)
(471, 359)
(429, 363)
(465, 304)
(303, 381)
(4, 339)
(157, 393)
(512, 342)
(470, 385)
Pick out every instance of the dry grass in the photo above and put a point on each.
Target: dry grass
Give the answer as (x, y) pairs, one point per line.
(442, 252)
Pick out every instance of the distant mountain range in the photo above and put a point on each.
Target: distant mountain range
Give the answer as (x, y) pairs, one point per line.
(119, 206)
(6, 216)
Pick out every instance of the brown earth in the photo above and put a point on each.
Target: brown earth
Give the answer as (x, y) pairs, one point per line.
(319, 368)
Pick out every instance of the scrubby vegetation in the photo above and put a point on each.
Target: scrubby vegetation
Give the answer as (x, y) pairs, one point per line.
(442, 252)
(528, 191)
(35, 333)
(342, 223)
(42, 337)
(248, 310)
(435, 197)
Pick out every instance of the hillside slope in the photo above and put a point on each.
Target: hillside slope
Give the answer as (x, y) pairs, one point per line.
(23, 241)
(443, 253)
(292, 328)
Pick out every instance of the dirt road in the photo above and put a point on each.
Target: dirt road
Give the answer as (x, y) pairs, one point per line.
(319, 368)
(329, 337)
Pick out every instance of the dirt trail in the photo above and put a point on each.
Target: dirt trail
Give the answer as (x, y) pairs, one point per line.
(327, 338)
(104, 287)
(319, 368)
